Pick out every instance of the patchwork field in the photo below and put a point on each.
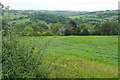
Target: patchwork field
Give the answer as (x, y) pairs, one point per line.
(78, 56)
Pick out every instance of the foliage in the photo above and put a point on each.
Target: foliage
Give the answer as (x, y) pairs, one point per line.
(47, 17)
(28, 31)
(20, 59)
(47, 33)
(109, 28)
(54, 27)
(71, 28)
(74, 29)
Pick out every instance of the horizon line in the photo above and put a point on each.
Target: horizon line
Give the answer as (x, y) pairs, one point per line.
(63, 10)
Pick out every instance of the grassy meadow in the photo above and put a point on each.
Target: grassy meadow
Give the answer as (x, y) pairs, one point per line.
(78, 56)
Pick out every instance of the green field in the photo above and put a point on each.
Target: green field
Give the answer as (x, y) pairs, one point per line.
(79, 56)
(22, 21)
(100, 16)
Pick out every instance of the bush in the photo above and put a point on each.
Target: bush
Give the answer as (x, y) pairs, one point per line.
(47, 33)
(28, 31)
(20, 59)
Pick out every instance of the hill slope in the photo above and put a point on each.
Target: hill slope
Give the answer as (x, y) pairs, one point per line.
(96, 17)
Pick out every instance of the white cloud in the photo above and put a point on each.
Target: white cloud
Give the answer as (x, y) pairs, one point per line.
(83, 5)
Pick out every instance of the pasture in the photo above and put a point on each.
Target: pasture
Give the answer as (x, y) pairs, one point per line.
(78, 56)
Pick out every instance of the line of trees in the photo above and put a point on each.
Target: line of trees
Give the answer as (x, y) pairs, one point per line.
(42, 28)
(106, 28)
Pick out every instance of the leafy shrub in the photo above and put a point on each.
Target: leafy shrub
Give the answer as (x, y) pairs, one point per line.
(20, 59)
(28, 31)
(47, 33)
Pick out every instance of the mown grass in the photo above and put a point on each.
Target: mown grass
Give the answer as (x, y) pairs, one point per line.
(80, 56)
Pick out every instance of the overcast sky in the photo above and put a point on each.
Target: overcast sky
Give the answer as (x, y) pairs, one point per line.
(81, 5)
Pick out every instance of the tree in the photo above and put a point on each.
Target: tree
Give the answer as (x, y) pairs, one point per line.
(67, 32)
(85, 32)
(83, 28)
(72, 24)
(36, 28)
(28, 31)
(71, 28)
(106, 28)
(115, 28)
(97, 31)
(42, 24)
(55, 26)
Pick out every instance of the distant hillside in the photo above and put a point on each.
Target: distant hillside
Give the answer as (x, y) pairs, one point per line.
(98, 16)
(49, 17)
(57, 12)
(65, 16)
(35, 15)
(68, 13)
